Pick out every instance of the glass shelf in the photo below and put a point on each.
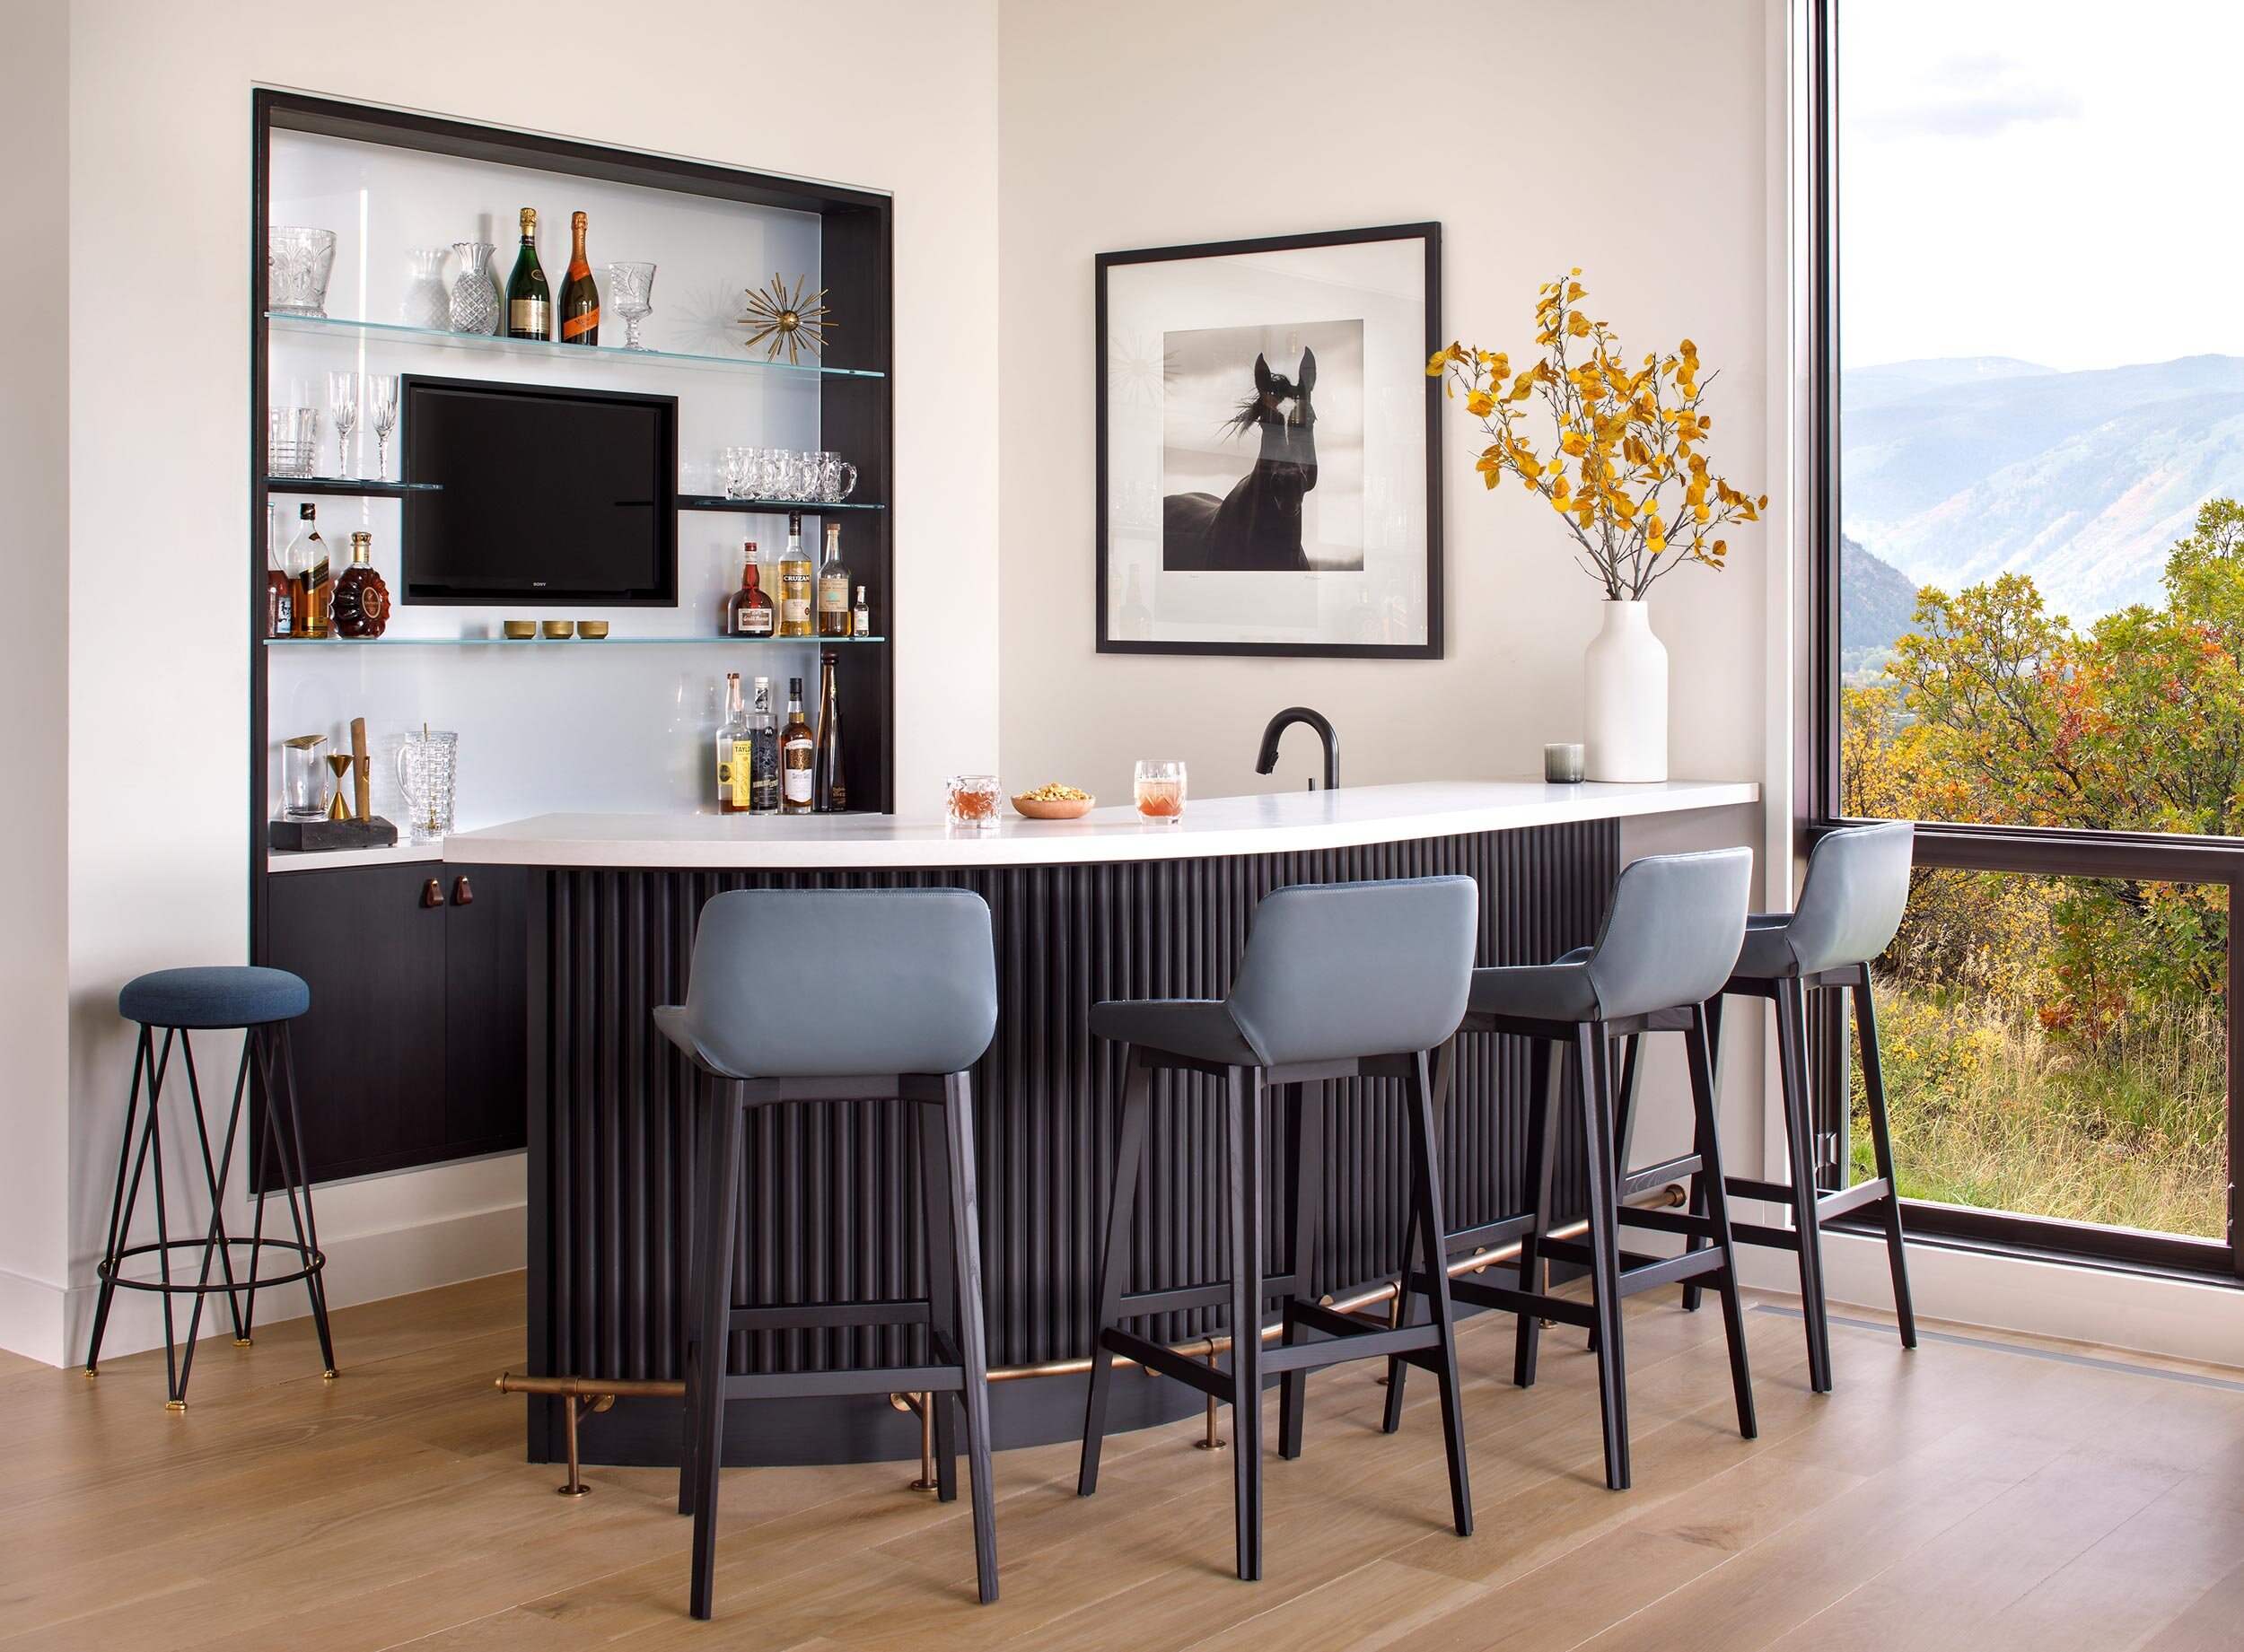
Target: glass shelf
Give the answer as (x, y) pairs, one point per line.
(577, 644)
(377, 331)
(772, 507)
(361, 487)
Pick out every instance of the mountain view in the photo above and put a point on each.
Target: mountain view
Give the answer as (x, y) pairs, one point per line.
(1958, 469)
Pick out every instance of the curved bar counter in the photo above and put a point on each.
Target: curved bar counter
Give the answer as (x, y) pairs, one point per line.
(1102, 907)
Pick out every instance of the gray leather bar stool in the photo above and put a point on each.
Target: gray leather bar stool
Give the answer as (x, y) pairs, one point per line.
(1339, 981)
(1670, 939)
(1850, 908)
(823, 995)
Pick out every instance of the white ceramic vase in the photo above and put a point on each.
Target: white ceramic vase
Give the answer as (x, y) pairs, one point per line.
(1624, 682)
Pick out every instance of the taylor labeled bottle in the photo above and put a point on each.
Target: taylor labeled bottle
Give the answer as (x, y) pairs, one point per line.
(580, 294)
(797, 756)
(528, 302)
(361, 600)
(308, 573)
(795, 582)
(833, 588)
(747, 611)
(733, 751)
(828, 794)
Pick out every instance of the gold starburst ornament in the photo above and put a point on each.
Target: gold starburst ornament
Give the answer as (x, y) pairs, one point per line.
(782, 321)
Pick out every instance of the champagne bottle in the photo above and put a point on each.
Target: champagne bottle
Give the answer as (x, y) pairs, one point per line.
(833, 588)
(796, 759)
(829, 794)
(580, 294)
(529, 303)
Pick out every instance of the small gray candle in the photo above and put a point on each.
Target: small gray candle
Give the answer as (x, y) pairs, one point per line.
(1562, 764)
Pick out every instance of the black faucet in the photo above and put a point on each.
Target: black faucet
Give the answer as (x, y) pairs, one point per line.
(1292, 714)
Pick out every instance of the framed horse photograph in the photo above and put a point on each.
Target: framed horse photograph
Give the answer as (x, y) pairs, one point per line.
(1269, 476)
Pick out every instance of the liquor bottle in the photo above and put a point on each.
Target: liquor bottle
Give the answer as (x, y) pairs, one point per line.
(795, 582)
(280, 591)
(833, 588)
(763, 748)
(362, 601)
(828, 794)
(796, 759)
(580, 294)
(529, 303)
(733, 751)
(748, 610)
(860, 616)
(308, 573)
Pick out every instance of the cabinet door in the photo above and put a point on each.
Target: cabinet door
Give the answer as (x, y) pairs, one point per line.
(370, 1052)
(486, 1008)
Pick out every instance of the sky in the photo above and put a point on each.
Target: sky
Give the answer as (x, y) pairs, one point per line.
(2056, 180)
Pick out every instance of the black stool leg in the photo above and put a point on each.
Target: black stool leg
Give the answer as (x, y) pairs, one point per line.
(1413, 1260)
(214, 1241)
(1114, 1261)
(1444, 1080)
(713, 1272)
(1881, 1145)
(127, 1177)
(1594, 1078)
(943, 1298)
(1305, 1181)
(1712, 1013)
(1243, 1091)
(966, 1230)
(174, 1399)
(1800, 1139)
(1426, 1169)
(1709, 1149)
(1545, 1086)
(706, 1127)
(316, 1282)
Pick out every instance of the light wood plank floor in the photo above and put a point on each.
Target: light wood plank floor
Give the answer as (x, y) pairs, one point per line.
(1981, 1493)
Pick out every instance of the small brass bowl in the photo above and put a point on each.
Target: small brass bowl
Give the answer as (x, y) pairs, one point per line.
(521, 630)
(592, 629)
(559, 630)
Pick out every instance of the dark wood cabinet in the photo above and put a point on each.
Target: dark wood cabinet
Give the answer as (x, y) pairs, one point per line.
(414, 1049)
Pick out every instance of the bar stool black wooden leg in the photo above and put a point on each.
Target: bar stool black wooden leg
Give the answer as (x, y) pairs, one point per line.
(942, 1301)
(1414, 1262)
(1594, 1069)
(1243, 1091)
(215, 1242)
(309, 1231)
(720, 1192)
(1543, 1089)
(967, 1267)
(1305, 1181)
(1710, 1011)
(126, 1176)
(174, 1397)
(707, 1126)
(1882, 1146)
(1709, 1149)
(1418, 1102)
(1114, 1261)
(1792, 1041)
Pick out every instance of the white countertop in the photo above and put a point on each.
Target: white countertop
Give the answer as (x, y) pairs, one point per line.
(1262, 824)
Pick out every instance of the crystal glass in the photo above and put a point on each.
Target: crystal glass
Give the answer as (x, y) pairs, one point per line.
(292, 439)
(428, 764)
(740, 472)
(808, 467)
(631, 295)
(836, 478)
(427, 306)
(344, 389)
(297, 264)
(1161, 789)
(381, 407)
(475, 291)
(305, 788)
(970, 801)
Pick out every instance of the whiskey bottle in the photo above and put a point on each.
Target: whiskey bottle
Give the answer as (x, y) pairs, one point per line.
(528, 302)
(308, 573)
(860, 616)
(731, 751)
(795, 582)
(833, 588)
(796, 759)
(362, 601)
(763, 760)
(828, 794)
(748, 610)
(580, 294)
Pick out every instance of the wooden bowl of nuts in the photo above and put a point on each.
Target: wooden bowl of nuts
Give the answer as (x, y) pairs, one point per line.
(1055, 802)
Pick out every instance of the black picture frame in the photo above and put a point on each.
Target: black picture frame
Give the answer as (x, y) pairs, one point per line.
(1429, 234)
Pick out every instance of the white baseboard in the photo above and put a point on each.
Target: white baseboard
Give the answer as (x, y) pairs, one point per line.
(31, 1318)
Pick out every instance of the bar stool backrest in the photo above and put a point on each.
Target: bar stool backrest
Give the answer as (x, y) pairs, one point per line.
(1337, 970)
(1856, 889)
(1673, 934)
(796, 983)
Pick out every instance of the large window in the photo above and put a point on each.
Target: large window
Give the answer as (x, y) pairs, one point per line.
(2034, 580)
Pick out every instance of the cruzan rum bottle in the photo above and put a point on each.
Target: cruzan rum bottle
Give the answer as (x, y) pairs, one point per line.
(580, 294)
(794, 583)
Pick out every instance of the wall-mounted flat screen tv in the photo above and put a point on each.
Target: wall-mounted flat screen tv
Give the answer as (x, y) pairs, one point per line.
(543, 495)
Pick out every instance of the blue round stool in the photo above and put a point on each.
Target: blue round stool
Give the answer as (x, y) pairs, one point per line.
(261, 1003)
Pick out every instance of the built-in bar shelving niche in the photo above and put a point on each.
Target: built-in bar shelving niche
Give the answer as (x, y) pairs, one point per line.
(596, 358)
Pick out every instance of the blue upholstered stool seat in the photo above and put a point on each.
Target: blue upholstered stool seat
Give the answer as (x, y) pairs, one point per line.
(213, 995)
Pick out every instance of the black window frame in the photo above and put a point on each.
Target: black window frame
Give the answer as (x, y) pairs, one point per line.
(2031, 850)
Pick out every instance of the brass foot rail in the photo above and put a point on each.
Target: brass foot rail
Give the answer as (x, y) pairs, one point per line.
(587, 1395)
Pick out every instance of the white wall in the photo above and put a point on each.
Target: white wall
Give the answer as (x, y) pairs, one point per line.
(159, 232)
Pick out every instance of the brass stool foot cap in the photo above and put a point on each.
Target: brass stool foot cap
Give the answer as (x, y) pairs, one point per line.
(245, 1341)
(575, 1490)
(89, 1373)
(1209, 1445)
(330, 1376)
(175, 1405)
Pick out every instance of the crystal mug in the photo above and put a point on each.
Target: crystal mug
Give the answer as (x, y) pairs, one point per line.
(428, 766)
(807, 469)
(742, 467)
(831, 486)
